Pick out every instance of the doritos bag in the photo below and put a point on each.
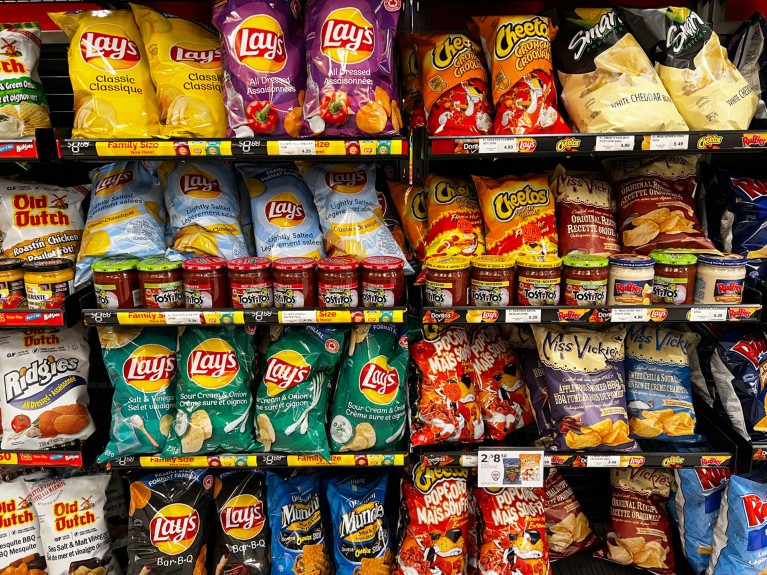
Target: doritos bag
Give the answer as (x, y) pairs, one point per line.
(126, 216)
(709, 92)
(567, 526)
(518, 214)
(185, 64)
(141, 364)
(114, 94)
(743, 225)
(518, 53)
(410, 202)
(20, 530)
(608, 83)
(455, 219)
(262, 52)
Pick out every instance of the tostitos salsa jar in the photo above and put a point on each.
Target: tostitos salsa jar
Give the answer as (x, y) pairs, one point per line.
(539, 280)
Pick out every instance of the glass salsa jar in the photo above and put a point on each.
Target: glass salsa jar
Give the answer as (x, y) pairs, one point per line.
(720, 279)
(161, 283)
(12, 293)
(630, 279)
(674, 280)
(338, 281)
(295, 282)
(585, 279)
(115, 281)
(492, 281)
(539, 280)
(48, 282)
(205, 284)
(447, 281)
(383, 281)
(250, 282)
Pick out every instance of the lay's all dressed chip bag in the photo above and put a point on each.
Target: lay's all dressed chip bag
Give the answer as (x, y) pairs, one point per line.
(185, 63)
(108, 67)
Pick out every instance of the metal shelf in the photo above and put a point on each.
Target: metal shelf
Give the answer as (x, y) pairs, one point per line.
(261, 460)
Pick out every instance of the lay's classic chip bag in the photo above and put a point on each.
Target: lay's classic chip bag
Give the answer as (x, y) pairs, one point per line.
(204, 209)
(109, 71)
(126, 216)
(185, 63)
(455, 219)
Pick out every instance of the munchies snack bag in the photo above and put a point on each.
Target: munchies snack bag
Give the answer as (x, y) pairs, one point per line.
(114, 94)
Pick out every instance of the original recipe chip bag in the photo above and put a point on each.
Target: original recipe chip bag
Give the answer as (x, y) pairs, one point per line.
(568, 527)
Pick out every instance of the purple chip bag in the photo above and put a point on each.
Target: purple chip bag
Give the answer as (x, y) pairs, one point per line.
(262, 52)
(523, 342)
(585, 378)
(350, 88)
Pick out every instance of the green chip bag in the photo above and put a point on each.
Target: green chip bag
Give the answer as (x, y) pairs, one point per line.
(292, 398)
(141, 364)
(370, 405)
(213, 398)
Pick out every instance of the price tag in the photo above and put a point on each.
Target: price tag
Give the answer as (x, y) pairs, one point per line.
(708, 314)
(629, 314)
(498, 146)
(521, 315)
(183, 318)
(603, 461)
(298, 316)
(510, 468)
(296, 148)
(669, 141)
(614, 144)
(469, 460)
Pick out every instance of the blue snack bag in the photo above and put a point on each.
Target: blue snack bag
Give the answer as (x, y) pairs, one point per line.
(744, 224)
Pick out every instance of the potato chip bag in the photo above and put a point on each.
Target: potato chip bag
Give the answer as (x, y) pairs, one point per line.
(454, 216)
(185, 64)
(709, 92)
(518, 214)
(518, 53)
(204, 209)
(214, 404)
(109, 71)
(586, 385)
(608, 83)
(20, 530)
(38, 221)
(23, 106)
(568, 527)
(744, 209)
(410, 201)
(533, 374)
(141, 363)
(350, 87)
(639, 532)
(287, 223)
(126, 217)
(262, 51)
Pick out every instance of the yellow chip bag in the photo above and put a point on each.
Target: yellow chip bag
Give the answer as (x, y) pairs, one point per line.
(114, 95)
(185, 63)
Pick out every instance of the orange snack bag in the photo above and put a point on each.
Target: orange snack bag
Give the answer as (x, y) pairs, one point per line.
(410, 202)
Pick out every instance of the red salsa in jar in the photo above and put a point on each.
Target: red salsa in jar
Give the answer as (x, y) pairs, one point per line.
(250, 282)
(161, 283)
(115, 281)
(294, 282)
(205, 284)
(338, 282)
(383, 282)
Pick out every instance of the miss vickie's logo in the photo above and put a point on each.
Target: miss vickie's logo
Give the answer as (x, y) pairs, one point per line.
(556, 345)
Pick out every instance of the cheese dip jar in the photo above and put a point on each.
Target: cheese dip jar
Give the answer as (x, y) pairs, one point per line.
(48, 282)
(630, 279)
(720, 279)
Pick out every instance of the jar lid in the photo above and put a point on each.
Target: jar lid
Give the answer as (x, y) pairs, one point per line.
(729, 260)
(249, 263)
(493, 262)
(204, 264)
(631, 261)
(7, 264)
(109, 265)
(49, 265)
(539, 262)
(584, 261)
(673, 258)
(383, 263)
(338, 264)
(158, 265)
(294, 264)
(448, 263)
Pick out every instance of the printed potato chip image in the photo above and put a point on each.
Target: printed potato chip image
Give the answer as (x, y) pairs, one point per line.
(569, 529)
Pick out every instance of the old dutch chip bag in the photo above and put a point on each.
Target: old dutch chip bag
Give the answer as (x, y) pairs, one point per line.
(20, 531)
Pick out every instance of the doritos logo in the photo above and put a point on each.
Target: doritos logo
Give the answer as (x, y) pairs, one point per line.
(379, 381)
(507, 204)
(109, 51)
(259, 43)
(347, 37)
(199, 184)
(150, 368)
(113, 182)
(242, 517)
(196, 55)
(174, 528)
(212, 364)
(285, 369)
(284, 210)
(511, 34)
(754, 189)
(346, 179)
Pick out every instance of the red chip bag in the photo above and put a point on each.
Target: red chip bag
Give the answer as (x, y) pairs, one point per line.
(455, 220)
(444, 405)
(568, 528)
(512, 531)
(503, 397)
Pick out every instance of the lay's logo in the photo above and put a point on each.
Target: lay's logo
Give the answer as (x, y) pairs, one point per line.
(196, 55)
(199, 184)
(347, 37)
(242, 517)
(259, 43)
(285, 211)
(285, 369)
(213, 364)
(379, 381)
(110, 48)
(113, 182)
(346, 179)
(174, 528)
(150, 368)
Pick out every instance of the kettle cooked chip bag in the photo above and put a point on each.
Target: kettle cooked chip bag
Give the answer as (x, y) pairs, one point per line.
(350, 88)
(109, 71)
(185, 64)
(214, 404)
(534, 376)
(262, 51)
(141, 364)
(608, 82)
(20, 531)
(410, 201)
(567, 526)
(518, 53)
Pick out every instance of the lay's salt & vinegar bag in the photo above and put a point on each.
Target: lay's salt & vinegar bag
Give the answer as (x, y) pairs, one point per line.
(109, 71)
(185, 64)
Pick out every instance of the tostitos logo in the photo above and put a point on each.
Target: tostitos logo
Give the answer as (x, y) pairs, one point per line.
(108, 47)
(379, 381)
(150, 368)
(199, 184)
(113, 181)
(347, 37)
(196, 55)
(174, 528)
(212, 364)
(284, 210)
(285, 369)
(346, 179)
(259, 43)
(242, 517)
